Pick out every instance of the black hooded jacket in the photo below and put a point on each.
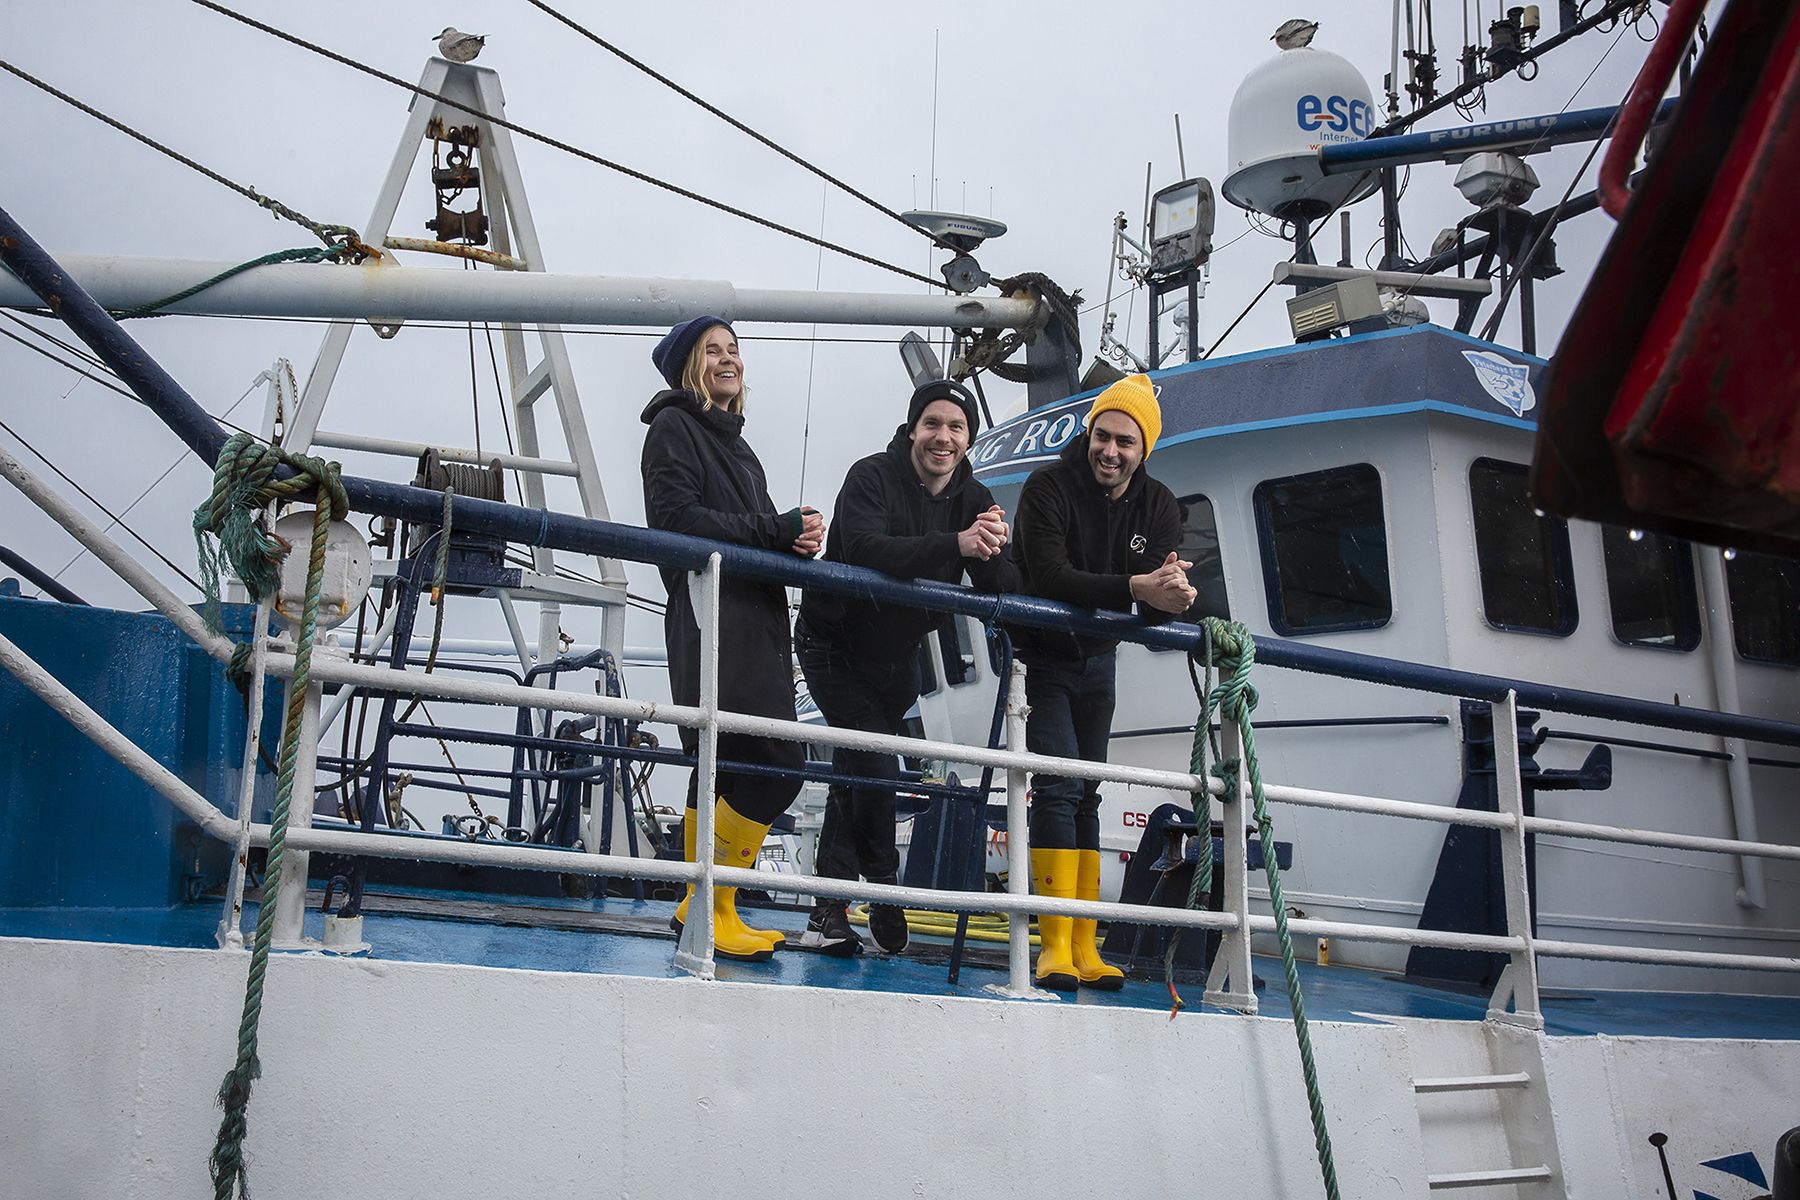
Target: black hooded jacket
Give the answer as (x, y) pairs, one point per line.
(702, 478)
(1077, 545)
(885, 519)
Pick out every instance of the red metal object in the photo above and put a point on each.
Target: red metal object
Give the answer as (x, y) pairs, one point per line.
(1674, 400)
(1640, 104)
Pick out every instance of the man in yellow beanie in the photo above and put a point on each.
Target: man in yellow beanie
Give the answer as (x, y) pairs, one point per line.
(1092, 529)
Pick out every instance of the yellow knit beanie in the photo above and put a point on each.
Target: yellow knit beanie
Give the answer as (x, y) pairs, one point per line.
(1135, 396)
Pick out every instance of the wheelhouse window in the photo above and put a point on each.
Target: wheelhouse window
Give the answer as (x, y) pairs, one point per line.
(928, 676)
(1324, 541)
(958, 650)
(1765, 606)
(1650, 589)
(1200, 546)
(1527, 573)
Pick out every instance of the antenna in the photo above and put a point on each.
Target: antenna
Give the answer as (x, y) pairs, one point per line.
(1180, 151)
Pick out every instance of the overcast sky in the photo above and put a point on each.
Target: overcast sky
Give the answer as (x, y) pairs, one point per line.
(1045, 117)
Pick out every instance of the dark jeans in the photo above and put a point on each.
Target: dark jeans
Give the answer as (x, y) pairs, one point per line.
(871, 694)
(761, 798)
(1071, 703)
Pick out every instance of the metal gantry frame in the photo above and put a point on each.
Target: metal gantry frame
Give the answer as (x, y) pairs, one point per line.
(1515, 999)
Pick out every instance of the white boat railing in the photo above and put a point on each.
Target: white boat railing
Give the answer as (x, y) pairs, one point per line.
(1515, 999)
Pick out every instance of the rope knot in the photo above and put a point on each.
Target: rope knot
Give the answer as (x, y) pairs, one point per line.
(235, 514)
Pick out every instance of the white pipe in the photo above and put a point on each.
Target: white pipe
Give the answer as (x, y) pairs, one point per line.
(1667, 958)
(103, 734)
(375, 445)
(396, 293)
(1750, 892)
(1672, 841)
(694, 952)
(109, 552)
(231, 931)
(290, 897)
(1018, 838)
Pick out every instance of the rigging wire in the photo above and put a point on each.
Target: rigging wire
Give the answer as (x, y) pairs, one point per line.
(179, 459)
(565, 147)
(720, 113)
(329, 234)
(64, 476)
(628, 331)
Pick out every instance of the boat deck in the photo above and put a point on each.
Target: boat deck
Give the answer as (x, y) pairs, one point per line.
(620, 936)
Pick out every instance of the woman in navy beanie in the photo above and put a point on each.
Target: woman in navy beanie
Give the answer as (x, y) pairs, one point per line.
(702, 478)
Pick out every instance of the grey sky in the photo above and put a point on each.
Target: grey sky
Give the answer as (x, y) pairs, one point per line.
(1047, 115)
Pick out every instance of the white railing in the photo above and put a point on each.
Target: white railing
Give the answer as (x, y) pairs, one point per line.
(1515, 999)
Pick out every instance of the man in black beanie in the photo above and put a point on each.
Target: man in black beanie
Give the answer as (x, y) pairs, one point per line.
(914, 511)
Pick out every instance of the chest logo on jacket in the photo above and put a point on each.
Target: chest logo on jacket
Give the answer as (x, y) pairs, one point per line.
(1139, 543)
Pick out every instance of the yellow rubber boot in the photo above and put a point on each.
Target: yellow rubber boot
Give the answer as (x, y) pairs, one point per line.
(1055, 873)
(731, 937)
(1094, 971)
(736, 841)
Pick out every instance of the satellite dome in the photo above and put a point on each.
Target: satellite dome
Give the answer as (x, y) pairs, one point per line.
(1286, 108)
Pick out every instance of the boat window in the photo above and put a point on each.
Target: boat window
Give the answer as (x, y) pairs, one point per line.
(1650, 588)
(1324, 540)
(958, 650)
(928, 677)
(1765, 606)
(1200, 546)
(1527, 573)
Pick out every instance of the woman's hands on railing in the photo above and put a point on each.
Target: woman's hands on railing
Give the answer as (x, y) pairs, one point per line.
(812, 533)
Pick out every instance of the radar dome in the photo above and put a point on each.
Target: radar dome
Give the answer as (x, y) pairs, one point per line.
(1285, 109)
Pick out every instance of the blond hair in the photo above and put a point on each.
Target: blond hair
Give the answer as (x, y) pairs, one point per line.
(693, 376)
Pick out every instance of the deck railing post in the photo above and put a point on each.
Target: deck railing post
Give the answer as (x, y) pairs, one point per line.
(1018, 838)
(1230, 983)
(290, 897)
(231, 920)
(694, 952)
(1518, 982)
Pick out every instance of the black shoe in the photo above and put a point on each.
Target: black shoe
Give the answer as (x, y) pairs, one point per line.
(828, 931)
(887, 923)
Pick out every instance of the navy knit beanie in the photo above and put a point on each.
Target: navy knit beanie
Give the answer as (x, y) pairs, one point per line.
(943, 389)
(671, 354)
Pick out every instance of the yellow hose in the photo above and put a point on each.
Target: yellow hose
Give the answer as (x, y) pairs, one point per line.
(983, 927)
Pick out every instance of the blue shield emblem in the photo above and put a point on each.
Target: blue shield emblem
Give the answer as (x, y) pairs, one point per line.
(1504, 380)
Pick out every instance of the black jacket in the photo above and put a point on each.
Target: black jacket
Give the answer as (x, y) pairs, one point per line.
(1079, 546)
(885, 519)
(702, 478)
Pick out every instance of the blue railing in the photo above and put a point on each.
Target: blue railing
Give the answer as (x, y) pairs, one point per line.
(562, 531)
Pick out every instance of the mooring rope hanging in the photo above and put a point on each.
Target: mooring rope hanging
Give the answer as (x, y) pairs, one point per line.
(244, 486)
(1228, 644)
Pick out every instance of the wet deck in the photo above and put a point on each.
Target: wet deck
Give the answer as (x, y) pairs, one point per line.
(626, 937)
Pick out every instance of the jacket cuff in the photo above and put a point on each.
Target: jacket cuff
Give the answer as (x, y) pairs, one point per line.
(796, 525)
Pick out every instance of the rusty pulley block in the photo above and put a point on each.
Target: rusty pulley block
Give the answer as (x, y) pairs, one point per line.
(454, 150)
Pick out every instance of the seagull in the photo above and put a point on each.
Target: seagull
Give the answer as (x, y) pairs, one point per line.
(1292, 35)
(460, 47)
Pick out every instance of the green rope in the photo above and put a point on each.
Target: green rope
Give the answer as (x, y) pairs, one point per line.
(308, 254)
(1200, 888)
(1229, 644)
(243, 488)
(438, 597)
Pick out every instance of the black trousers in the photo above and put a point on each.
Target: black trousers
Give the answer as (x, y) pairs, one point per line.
(873, 695)
(1071, 703)
(761, 798)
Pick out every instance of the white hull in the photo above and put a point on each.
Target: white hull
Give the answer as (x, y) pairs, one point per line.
(408, 1079)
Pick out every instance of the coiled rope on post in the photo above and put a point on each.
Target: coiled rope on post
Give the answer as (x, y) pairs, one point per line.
(1228, 644)
(244, 486)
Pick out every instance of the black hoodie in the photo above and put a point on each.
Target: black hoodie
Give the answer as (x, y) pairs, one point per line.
(885, 519)
(1077, 545)
(702, 478)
